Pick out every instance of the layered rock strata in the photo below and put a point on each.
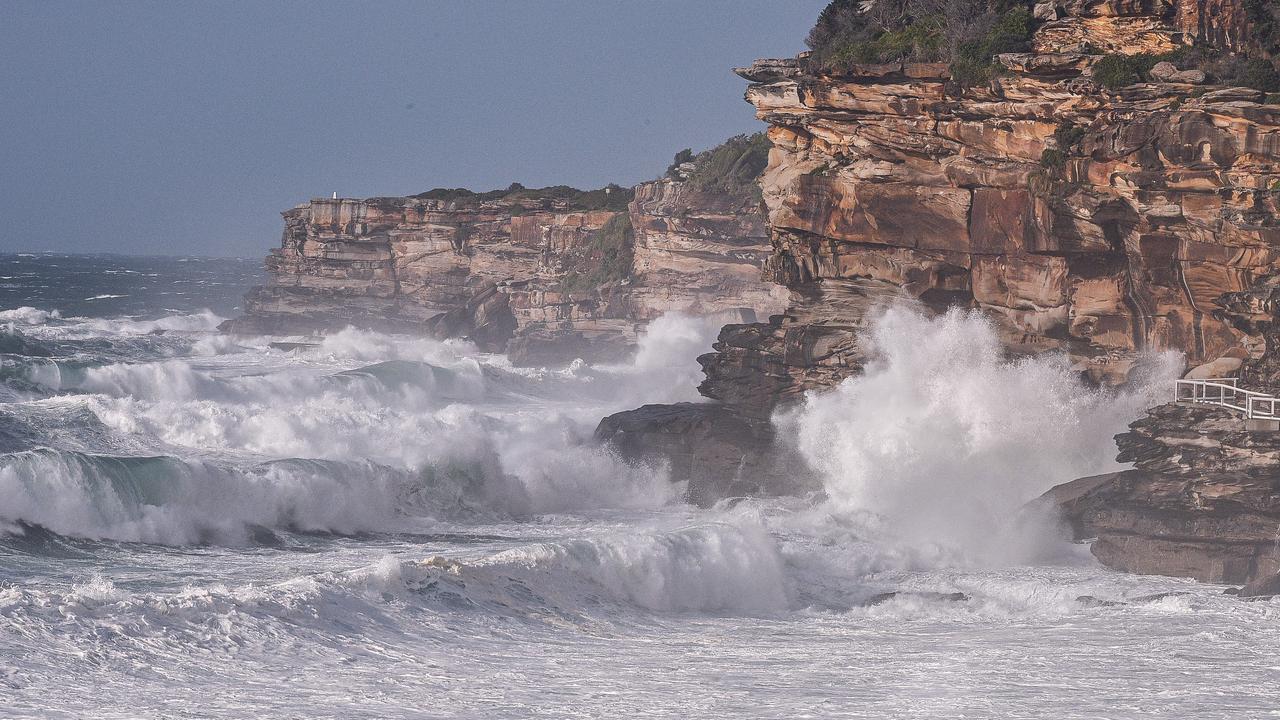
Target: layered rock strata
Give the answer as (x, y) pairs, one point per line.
(1102, 224)
(1202, 499)
(545, 275)
(699, 252)
(441, 264)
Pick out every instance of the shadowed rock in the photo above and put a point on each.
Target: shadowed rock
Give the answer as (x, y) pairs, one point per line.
(718, 452)
(1202, 501)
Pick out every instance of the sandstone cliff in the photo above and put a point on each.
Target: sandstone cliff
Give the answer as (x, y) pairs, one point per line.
(1101, 223)
(1083, 212)
(434, 261)
(546, 275)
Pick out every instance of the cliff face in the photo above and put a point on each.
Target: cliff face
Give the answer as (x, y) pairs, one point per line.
(547, 275)
(418, 263)
(699, 252)
(1100, 223)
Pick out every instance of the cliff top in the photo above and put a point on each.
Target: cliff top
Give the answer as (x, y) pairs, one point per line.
(969, 42)
(556, 197)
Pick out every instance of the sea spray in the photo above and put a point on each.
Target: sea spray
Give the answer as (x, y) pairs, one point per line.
(365, 432)
(943, 438)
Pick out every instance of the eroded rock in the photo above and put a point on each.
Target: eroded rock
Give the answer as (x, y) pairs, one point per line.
(1099, 224)
(1202, 500)
(520, 271)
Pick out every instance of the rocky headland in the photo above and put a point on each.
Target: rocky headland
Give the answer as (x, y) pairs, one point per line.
(1104, 188)
(546, 275)
(1101, 179)
(1202, 499)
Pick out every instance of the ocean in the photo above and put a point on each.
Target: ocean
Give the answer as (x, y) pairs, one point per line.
(195, 525)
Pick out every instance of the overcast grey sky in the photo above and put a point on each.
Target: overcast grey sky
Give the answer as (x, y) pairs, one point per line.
(186, 127)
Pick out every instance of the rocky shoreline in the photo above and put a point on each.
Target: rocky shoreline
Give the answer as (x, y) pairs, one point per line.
(1202, 499)
(1097, 218)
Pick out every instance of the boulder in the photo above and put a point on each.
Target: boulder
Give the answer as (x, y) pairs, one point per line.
(716, 451)
(1262, 587)
(1168, 72)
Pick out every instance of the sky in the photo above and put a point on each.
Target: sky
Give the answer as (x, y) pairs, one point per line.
(185, 128)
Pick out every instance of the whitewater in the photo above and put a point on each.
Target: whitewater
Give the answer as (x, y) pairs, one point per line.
(382, 526)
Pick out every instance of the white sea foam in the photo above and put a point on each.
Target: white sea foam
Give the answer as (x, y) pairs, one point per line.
(436, 445)
(28, 316)
(941, 440)
(496, 563)
(171, 501)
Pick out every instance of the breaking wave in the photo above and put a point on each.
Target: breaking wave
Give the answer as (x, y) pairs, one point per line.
(942, 439)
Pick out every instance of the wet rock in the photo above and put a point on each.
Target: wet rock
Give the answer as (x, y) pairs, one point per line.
(883, 598)
(717, 451)
(1090, 601)
(1261, 587)
(1202, 500)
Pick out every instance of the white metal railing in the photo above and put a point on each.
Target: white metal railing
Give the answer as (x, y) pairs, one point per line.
(1263, 408)
(1227, 393)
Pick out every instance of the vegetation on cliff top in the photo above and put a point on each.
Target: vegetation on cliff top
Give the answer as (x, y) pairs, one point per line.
(731, 168)
(605, 258)
(1116, 71)
(966, 34)
(611, 197)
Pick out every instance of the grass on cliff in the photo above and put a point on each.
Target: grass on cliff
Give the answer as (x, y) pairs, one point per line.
(610, 197)
(608, 256)
(966, 34)
(731, 168)
(1065, 139)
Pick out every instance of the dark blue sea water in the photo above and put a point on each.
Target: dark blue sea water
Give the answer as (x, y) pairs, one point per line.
(105, 286)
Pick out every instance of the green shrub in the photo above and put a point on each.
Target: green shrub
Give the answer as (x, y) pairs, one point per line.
(1053, 159)
(974, 62)
(608, 256)
(1260, 75)
(732, 168)
(682, 157)
(1264, 24)
(967, 34)
(610, 197)
(1116, 71)
(1272, 99)
(1067, 136)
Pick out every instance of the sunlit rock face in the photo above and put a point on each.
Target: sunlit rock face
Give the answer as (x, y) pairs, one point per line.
(538, 276)
(699, 253)
(484, 268)
(1099, 223)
